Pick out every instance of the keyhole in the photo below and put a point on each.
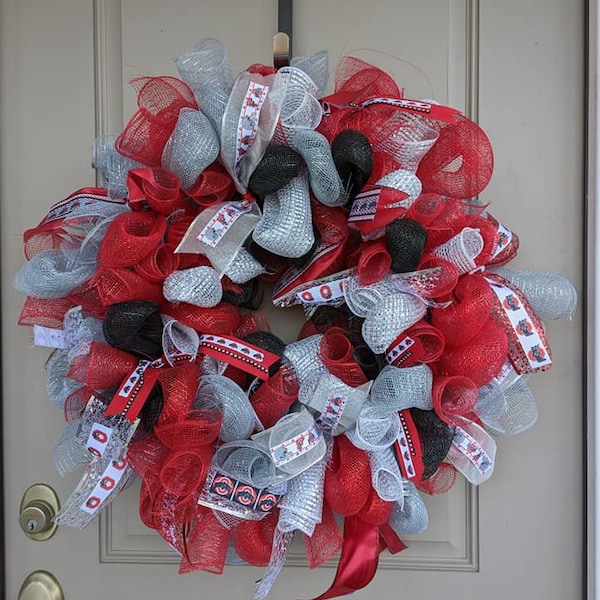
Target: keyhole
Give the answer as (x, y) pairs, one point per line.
(32, 524)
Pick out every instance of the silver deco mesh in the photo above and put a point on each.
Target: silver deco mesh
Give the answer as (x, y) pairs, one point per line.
(302, 507)
(361, 299)
(551, 295)
(69, 453)
(200, 286)
(335, 404)
(80, 331)
(52, 274)
(244, 267)
(193, 145)
(286, 225)
(397, 389)
(462, 250)
(316, 152)
(304, 358)
(218, 391)
(386, 478)
(177, 337)
(404, 181)
(507, 412)
(112, 166)
(316, 67)
(207, 70)
(409, 517)
(58, 385)
(300, 107)
(386, 321)
(374, 429)
(411, 139)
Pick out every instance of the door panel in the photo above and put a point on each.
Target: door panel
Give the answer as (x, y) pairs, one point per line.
(518, 68)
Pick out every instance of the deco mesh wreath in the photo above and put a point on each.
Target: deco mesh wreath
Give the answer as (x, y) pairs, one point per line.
(418, 342)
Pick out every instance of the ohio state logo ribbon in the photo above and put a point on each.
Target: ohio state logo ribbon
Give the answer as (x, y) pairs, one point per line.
(135, 389)
(408, 448)
(528, 348)
(375, 207)
(238, 353)
(108, 481)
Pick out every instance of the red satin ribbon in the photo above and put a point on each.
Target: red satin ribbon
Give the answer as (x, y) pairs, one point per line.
(363, 543)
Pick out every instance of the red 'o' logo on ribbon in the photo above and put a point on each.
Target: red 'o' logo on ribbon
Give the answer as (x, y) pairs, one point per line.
(100, 436)
(119, 465)
(307, 296)
(107, 483)
(222, 485)
(266, 502)
(245, 495)
(95, 452)
(93, 502)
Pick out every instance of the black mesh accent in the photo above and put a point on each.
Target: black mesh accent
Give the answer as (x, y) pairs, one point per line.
(405, 240)
(152, 409)
(135, 327)
(267, 341)
(353, 158)
(250, 295)
(278, 166)
(370, 363)
(436, 437)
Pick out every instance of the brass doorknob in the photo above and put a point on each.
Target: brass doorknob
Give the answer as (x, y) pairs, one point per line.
(38, 509)
(41, 585)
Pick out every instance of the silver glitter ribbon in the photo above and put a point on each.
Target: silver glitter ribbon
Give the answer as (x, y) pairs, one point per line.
(200, 286)
(244, 267)
(404, 181)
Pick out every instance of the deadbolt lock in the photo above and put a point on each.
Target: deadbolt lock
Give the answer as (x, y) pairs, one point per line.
(38, 509)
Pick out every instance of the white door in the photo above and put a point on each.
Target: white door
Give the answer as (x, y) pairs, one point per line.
(516, 66)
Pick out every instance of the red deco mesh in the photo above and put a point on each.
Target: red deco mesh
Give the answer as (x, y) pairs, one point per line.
(347, 478)
(160, 189)
(42, 238)
(481, 359)
(111, 286)
(426, 208)
(470, 309)
(374, 261)
(431, 339)
(487, 230)
(383, 164)
(253, 540)
(159, 101)
(223, 318)
(453, 398)
(103, 367)
(326, 540)
(446, 276)
(274, 397)
(337, 355)
(184, 471)
(130, 237)
(76, 402)
(159, 264)
(441, 482)
(460, 163)
(450, 220)
(179, 386)
(206, 548)
(376, 511)
(212, 186)
(47, 313)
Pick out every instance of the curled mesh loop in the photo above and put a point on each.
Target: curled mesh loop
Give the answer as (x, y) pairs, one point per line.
(551, 295)
(397, 389)
(286, 227)
(52, 274)
(302, 507)
(193, 146)
(246, 461)
(435, 436)
(200, 286)
(279, 165)
(386, 478)
(177, 337)
(384, 323)
(69, 453)
(374, 429)
(300, 107)
(304, 358)
(409, 517)
(403, 181)
(462, 250)
(405, 240)
(221, 392)
(112, 166)
(316, 67)
(58, 386)
(244, 267)
(517, 412)
(316, 152)
(361, 299)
